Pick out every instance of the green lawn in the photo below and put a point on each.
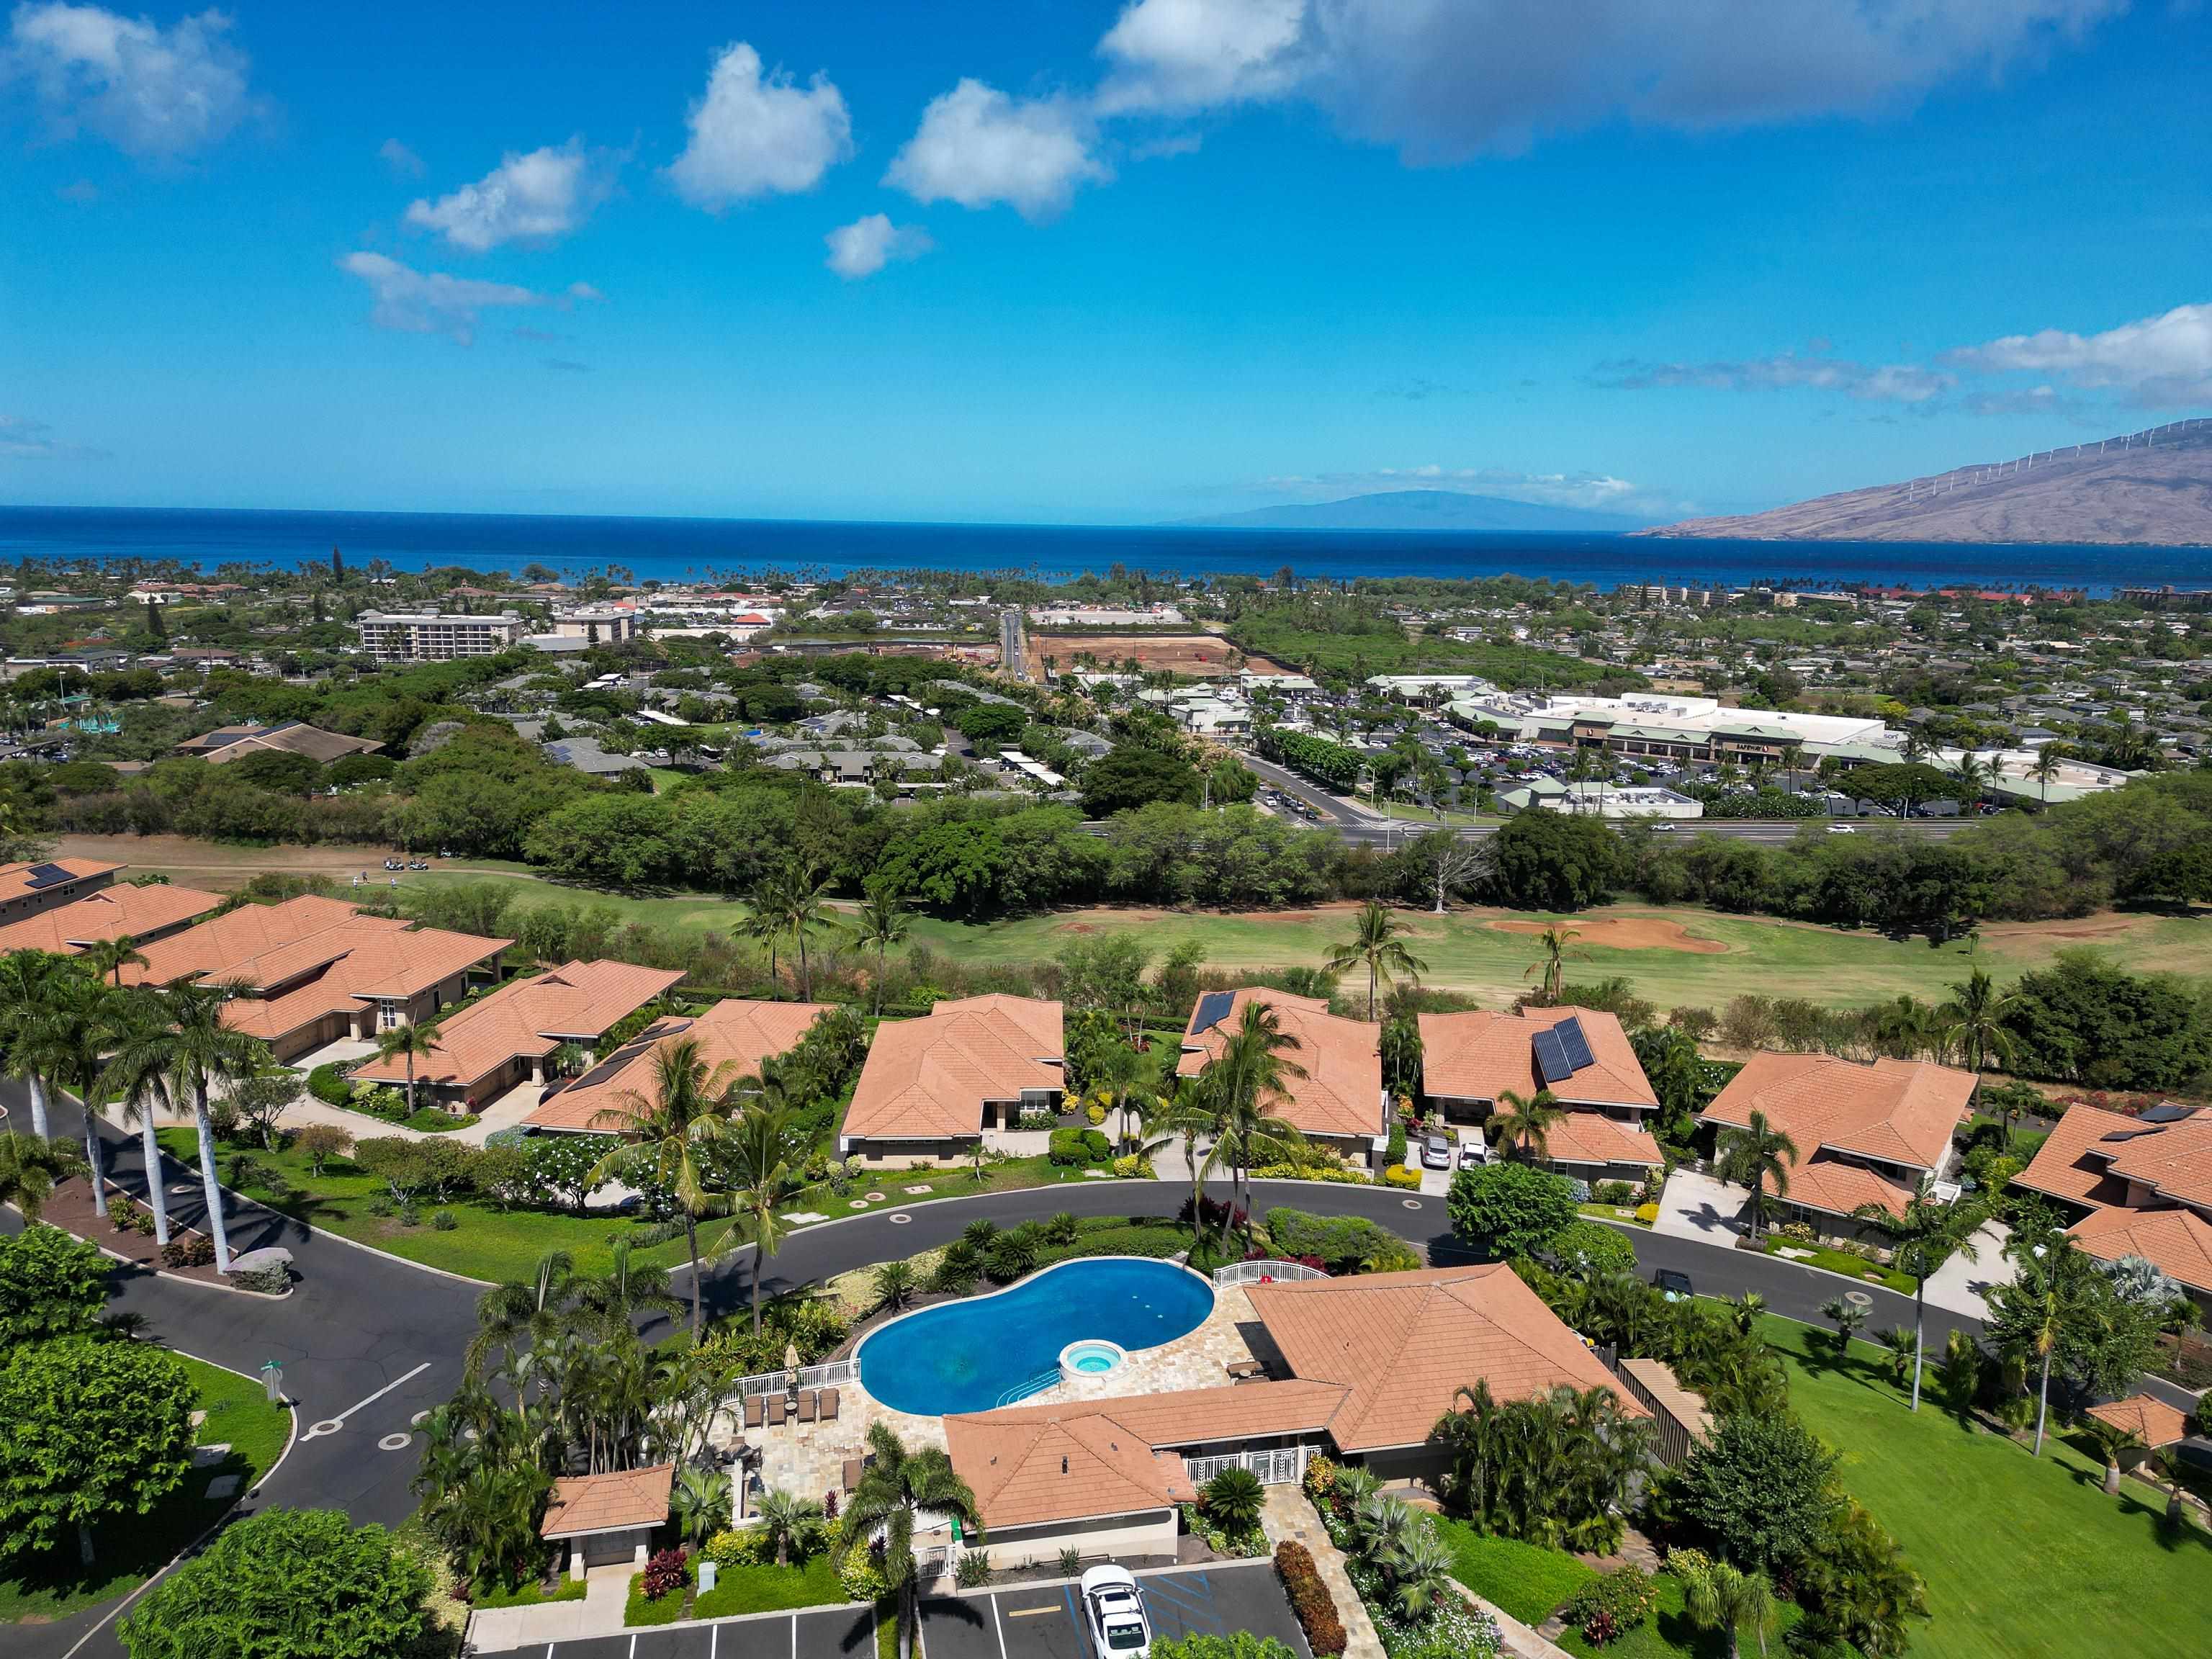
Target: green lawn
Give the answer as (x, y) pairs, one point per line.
(531, 1595)
(1525, 1580)
(128, 1551)
(2024, 1559)
(770, 1589)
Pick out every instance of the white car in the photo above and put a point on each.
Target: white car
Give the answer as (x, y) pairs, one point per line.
(1841, 830)
(1114, 1612)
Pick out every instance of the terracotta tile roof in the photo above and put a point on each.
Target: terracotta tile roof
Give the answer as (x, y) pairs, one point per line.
(1477, 1055)
(1340, 1094)
(2177, 1242)
(2071, 1164)
(124, 911)
(1401, 1344)
(1594, 1137)
(2154, 1422)
(2173, 1159)
(1836, 1187)
(230, 742)
(926, 1079)
(1114, 1463)
(249, 931)
(736, 1034)
(16, 879)
(529, 1017)
(1900, 1111)
(587, 1504)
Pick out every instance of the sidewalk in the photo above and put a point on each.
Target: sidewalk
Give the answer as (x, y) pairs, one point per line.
(607, 1597)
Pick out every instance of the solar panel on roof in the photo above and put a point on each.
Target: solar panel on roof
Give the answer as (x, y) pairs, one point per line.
(1552, 1059)
(1212, 1008)
(48, 875)
(2167, 1112)
(1574, 1042)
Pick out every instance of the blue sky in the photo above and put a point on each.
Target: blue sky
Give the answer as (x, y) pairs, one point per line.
(1051, 261)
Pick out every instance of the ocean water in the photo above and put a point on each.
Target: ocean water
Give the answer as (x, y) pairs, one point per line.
(680, 550)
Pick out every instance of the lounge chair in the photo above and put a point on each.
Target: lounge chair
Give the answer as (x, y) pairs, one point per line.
(807, 1406)
(775, 1411)
(755, 1411)
(853, 1474)
(1244, 1371)
(829, 1405)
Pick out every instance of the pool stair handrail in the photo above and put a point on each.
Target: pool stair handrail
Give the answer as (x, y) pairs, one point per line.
(1023, 1389)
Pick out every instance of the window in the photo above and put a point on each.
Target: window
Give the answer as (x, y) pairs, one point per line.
(387, 1015)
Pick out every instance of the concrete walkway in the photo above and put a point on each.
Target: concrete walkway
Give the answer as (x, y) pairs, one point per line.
(1288, 1514)
(606, 1598)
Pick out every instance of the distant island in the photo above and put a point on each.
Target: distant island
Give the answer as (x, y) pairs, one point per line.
(2146, 489)
(1419, 509)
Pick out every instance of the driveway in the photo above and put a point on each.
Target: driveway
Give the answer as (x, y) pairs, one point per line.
(1961, 1283)
(1700, 1206)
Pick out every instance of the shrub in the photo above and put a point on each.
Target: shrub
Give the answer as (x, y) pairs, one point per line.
(1647, 1213)
(329, 1085)
(1509, 1210)
(1094, 1114)
(1073, 1148)
(1615, 1192)
(1063, 1228)
(1611, 1605)
(1396, 1152)
(1037, 1117)
(1590, 1250)
(1133, 1168)
(862, 1575)
(318, 1143)
(1233, 1497)
(1071, 1562)
(1398, 1175)
(1309, 1599)
(973, 1571)
(667, 1571)
(1319, 1480)
(51, 1285)
(189, 1250)
(443, 1221)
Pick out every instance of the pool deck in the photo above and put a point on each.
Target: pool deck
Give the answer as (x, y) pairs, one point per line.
(809, 1459)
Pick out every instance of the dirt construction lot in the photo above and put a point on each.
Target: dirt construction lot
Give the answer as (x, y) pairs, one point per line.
(1201, 656)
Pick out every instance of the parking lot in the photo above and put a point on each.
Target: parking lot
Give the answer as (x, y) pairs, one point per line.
(841, 1633)
(1043, 1622)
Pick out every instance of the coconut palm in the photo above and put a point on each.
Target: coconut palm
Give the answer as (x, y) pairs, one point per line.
(2047, 762)
(798, 904)
(141, 1088)
(1523, 1123)
(410, 1043)
(1922, 1236)
(790, 1524)
(1250, 1072)
(1753, 1156)
(61, 1041)
(879, 924)
(665, 1136)
(26, 982)
(107, 957)
(762, 923)
(1975, 1020)
(1719, 1597)
(532, 1308)
(753, 1154)
(30, 1170)
(628, 1288)
(2030, 1317)
(899, 1488)
(699, 1505)
(1375, 942)
(1553, 966)
(195, 1050)
(1974, 775)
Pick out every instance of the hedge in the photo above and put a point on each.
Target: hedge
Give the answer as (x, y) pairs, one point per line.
(1072, 1148)
(1309, 1599)
(329, 1085)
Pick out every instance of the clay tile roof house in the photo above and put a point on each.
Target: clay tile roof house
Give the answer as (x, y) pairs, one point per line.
(1373, 1363)
(931, 1087)
(1339, 1101)
(734, 1036)
(230, 742)
(504, 1041)
(139, 913)
(608, 1517)
(2141, 1186)
(34, 886)
(1865, 1132)
(317, 969)
(1582, 1055)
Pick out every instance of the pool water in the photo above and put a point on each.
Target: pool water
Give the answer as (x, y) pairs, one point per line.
(965, 1355)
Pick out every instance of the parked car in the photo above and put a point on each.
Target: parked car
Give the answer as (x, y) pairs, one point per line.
(1114, 1612)
(1436, 1152)
(1675, 1284)
(1472, 1153)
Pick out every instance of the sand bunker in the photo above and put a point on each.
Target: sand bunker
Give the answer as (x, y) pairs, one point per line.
(1626, 934)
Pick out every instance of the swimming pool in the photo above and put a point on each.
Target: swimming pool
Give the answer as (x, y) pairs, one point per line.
(967, 1356)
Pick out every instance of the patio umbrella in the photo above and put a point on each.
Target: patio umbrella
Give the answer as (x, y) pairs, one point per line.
(791, 1364)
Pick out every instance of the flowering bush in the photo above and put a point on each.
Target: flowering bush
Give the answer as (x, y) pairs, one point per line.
(1611, 1605)
(1309, 1599)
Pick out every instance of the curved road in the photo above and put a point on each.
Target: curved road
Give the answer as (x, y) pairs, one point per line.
(368, 1341)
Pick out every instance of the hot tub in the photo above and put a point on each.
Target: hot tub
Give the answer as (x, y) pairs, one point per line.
(1091, 1358)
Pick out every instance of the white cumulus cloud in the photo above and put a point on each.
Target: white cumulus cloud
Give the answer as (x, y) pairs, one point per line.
(868, 244)
(435, 302)
(2162, 361)
(755, 135)
(148, 91)
(978, 146)
(1187, 54)
(534, 198)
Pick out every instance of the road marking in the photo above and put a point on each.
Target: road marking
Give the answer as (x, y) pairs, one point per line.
(999, 1624)
(633, 1647)
(332, 1425)
(1032, 1613)
(795, 1636)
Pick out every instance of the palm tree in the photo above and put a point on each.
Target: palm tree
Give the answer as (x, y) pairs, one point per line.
(1249, 1071)
(880, 923)
(894, 1286)
(407, 1042)
(1923, 1237)
(1753, 1156)
(1524, 1123)
(1974, 775)
(629, 1287)
(1975, 1019)
(2047, 762)
(61, 1041)
(754, 1156)
(143, 1093)
(898, 1488)
(30, 1170)
(788, 1522)
(27, 980)
(699, 1503)
(1553, 967)
(109, 957)
(1722, 1598)
(2030, 1317)
(1190, 1118)
(762, 923)
(193, 1051)
(797, 902)
(665, 1135)
(2114, 1442)
(520, 1307)
(1375, 942)
(1421, 1572)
